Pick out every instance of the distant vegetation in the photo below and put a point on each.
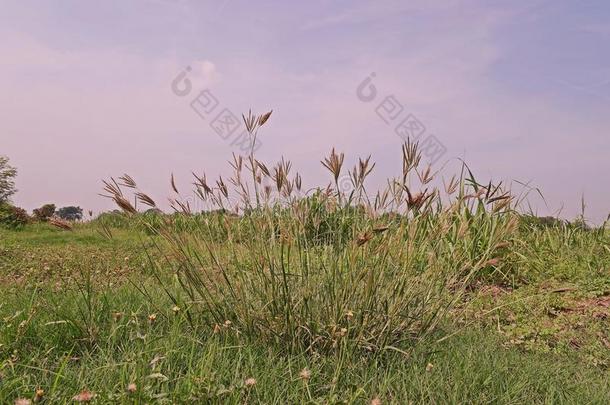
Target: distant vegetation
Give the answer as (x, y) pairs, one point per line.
(13, 217)
(70, 213)
(7, 180)
(44, 213)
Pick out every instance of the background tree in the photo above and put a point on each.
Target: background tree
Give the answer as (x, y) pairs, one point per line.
(44, 213)
(70, 213)
(7, 183)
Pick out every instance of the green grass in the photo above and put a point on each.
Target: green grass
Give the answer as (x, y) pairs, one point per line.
(63, 340)
(194, 366)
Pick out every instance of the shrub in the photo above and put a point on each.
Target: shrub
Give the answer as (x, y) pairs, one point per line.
(113, 219)
(44, 213)
(13, 217)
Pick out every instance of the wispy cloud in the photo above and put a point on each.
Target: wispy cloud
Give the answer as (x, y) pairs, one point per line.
(482, 78)
(367, 12)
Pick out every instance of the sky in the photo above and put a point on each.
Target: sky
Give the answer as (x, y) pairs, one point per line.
(520, 90)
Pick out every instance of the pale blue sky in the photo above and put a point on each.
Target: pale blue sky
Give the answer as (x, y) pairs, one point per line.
(520, 89)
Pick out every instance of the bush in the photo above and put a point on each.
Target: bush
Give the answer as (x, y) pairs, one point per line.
(113, 219)
(44, 213)
(534, 222)
(541, 222)
(13, 217)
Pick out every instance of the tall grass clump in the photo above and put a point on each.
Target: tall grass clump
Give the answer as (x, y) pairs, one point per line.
(326, 268)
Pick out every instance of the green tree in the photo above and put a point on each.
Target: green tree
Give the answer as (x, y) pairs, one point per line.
(70, 213)
(7, 183)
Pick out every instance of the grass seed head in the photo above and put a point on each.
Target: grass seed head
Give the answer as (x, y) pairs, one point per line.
(39, 394)
(305, 374)
(263, 118)
(334, 163)
(84, 396)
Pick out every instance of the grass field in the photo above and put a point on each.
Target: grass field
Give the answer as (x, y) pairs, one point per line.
(55, 335)
(458, 299)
